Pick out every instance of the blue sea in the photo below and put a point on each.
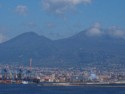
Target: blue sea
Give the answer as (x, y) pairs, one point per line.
(36, 89)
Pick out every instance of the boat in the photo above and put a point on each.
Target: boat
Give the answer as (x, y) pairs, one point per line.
(24, 82)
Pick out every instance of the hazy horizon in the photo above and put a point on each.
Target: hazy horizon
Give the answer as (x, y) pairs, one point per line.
(57, 19)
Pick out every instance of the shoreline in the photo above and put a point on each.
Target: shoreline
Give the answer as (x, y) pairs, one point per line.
(84, 84)
(90, 84)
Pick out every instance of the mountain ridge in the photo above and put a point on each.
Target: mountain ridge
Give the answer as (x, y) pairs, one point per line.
(73, 51)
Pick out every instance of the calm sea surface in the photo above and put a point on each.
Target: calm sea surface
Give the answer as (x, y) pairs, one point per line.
(35, 89)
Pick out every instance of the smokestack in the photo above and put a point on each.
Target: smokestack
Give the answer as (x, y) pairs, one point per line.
(30, 63)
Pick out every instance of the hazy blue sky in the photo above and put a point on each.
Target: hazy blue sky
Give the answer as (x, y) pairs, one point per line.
(58, 18)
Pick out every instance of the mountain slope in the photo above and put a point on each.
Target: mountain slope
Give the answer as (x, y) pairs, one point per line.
(82, 49)
(74, 51)
(25, 46)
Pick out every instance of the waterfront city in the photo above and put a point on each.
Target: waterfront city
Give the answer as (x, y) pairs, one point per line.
(62, 76)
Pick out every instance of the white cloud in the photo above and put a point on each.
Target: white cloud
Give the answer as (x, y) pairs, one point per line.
(50, 25)
(61, 6)
(21, 9)
(31, 25)
(2, 38)
(95, 30)
(113, 31)
(116, 32)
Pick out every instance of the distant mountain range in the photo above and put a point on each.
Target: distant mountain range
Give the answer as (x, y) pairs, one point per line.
(77, 50)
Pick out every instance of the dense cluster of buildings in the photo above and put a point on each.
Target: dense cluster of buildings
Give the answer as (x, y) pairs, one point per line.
(14, 74)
